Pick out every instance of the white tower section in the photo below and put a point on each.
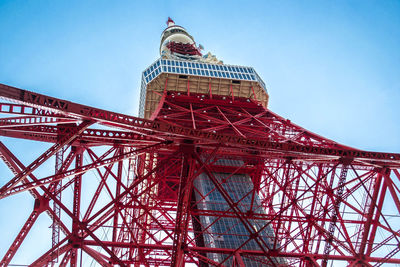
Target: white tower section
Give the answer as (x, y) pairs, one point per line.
(177, 43)
(176, 34)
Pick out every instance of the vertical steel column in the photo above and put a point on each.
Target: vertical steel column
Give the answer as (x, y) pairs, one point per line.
(183, 206)
(335, 211)
(117, 193)
(146, 163)
(76, 207)
(55, 235)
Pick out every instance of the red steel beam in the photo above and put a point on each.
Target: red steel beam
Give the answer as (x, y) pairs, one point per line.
(50, 255)
(101, 259)
(32, 120)
(21, 236)
(91, 137)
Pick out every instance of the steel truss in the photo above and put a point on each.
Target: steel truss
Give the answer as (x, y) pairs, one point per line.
(325, 202)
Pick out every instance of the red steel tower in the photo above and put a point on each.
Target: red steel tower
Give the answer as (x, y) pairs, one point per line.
(208, 176)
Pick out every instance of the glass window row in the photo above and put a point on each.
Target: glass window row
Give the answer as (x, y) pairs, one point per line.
(201, 72)
(201, 69)
(208, 66)
(198, 65)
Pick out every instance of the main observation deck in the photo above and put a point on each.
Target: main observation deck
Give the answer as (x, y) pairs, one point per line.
(198, 77)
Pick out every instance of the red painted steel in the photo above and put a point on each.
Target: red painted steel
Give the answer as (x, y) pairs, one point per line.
(325, 202)
(183, 49)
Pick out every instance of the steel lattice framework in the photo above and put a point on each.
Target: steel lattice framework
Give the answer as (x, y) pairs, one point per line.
(324, 201)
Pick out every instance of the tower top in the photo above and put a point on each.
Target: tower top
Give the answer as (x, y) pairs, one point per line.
(170, 22)
(177, 43)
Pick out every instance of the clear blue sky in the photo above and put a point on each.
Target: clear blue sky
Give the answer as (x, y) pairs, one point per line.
(332, 67)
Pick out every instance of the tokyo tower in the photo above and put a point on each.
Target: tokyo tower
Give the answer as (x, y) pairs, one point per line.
(206, 175)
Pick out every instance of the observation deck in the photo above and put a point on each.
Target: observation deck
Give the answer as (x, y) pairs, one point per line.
(190, 76)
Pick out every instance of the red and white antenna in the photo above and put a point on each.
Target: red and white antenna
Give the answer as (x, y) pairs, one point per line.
(170, 22)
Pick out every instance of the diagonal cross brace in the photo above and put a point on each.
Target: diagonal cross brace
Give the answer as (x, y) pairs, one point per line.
(45, 156)
(79, 170)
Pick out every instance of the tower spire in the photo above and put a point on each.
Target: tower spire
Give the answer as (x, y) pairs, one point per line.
(170, 22)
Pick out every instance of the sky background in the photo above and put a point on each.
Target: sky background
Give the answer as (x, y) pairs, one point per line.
(332, 67)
